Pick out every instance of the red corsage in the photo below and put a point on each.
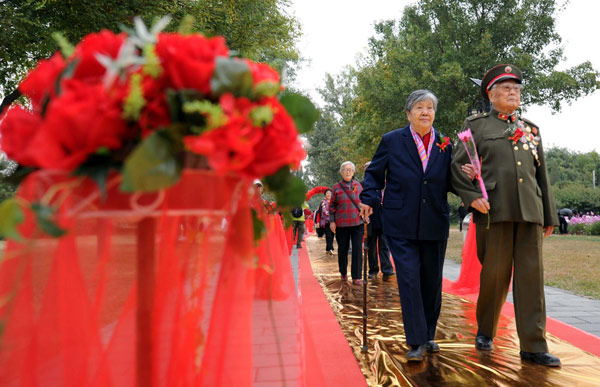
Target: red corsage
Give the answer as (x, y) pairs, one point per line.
(443, 144)
(516, 136)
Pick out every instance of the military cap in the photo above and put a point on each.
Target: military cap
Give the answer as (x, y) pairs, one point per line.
(499, 73)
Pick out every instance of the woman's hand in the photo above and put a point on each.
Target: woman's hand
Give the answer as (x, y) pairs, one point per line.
(365, 212)
(332, 227)
(469, 170)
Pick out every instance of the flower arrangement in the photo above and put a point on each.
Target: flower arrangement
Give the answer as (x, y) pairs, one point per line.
(147, 104)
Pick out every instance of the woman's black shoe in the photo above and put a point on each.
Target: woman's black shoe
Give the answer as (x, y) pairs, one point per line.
(415, 353)
(483, 343)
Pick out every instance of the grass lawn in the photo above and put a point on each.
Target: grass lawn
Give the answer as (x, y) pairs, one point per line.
(571, 262)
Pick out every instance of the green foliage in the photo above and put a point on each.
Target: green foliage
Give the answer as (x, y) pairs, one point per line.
(577, 197)
(595, 228)
(301, 109)
(152, 165)
(43, 216)
(11, 216)
(259, 30)
(571, 179)
(327, 142)
(439, 45)
(258, 227)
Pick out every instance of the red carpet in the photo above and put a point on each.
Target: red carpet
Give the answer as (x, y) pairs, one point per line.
(338, 364)
(566, 332)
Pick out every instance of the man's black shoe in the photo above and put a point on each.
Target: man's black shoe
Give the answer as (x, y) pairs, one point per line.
(415, 353)
(541, 358)
(432, 346)
(483, 343)
(371, 276)
(388, 276)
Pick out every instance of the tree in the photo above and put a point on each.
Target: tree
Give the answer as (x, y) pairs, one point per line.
(327, 142)
(259, 30)
(440, 44)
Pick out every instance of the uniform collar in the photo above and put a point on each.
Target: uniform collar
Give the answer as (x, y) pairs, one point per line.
(504, 117)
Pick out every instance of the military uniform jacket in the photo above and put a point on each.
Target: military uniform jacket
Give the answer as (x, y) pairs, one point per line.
(514, 174)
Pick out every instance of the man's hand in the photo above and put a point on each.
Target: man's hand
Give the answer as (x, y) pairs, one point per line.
(332, 227)
(365, 211)
(548, 230)
(481, 205)
(469, 170)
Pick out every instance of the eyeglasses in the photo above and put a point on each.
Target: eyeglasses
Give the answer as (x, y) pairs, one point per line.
(347, 170)
(508, 88)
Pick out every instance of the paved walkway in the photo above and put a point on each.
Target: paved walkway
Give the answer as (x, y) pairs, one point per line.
(577, 311)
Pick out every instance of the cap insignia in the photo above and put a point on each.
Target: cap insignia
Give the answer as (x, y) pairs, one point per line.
(508, 69)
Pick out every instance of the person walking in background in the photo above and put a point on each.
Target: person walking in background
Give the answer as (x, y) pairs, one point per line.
(511, 225)
(324, 222)
(298, 224)
(346, 223)
(378, 250)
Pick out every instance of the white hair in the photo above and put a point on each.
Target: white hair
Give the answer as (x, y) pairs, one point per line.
(348, 163)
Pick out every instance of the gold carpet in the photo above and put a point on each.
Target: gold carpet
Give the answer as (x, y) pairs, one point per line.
(458, 363)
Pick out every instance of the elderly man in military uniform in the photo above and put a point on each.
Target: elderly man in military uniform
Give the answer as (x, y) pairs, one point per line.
(520, 211)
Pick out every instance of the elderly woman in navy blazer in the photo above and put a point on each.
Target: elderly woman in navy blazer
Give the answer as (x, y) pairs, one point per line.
(413, 164)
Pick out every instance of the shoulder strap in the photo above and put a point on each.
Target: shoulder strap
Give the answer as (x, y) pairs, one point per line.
(349, 196)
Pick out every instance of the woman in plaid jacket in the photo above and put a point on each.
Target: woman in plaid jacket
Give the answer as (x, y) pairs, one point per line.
(346, 223)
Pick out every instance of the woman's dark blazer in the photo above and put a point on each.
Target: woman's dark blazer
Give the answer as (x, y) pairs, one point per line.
(415, 204)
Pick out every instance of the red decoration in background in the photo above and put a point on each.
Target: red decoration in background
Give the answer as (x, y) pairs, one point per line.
(315, 190)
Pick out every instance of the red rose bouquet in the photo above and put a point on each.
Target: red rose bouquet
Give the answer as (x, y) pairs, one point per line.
(145, 102)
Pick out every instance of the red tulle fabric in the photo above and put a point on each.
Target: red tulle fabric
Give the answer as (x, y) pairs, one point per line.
(161, 289)
(470, 269)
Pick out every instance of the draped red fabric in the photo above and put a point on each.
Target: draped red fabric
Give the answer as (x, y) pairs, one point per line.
(470, 269)
(160, 289)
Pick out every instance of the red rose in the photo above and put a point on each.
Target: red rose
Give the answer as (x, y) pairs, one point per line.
(189, 60)
(262, 72)
(17, 129)
(41, 81)
(229, 147)
(279, 145)
(105, 43)
(76, 124)
(156, 113)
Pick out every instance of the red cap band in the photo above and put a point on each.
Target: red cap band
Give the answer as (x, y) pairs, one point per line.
(509, 75)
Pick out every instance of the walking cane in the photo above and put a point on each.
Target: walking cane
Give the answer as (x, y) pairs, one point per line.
(365, 280)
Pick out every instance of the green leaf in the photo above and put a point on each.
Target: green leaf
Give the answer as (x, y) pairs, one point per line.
(231, 76)
(278, 180)
(11, 216)
(97, 167)
(266, 89)
(43, 215)
(258, 227)
(292, 194)
(153, 164)
(302, 110)
(261, 115)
